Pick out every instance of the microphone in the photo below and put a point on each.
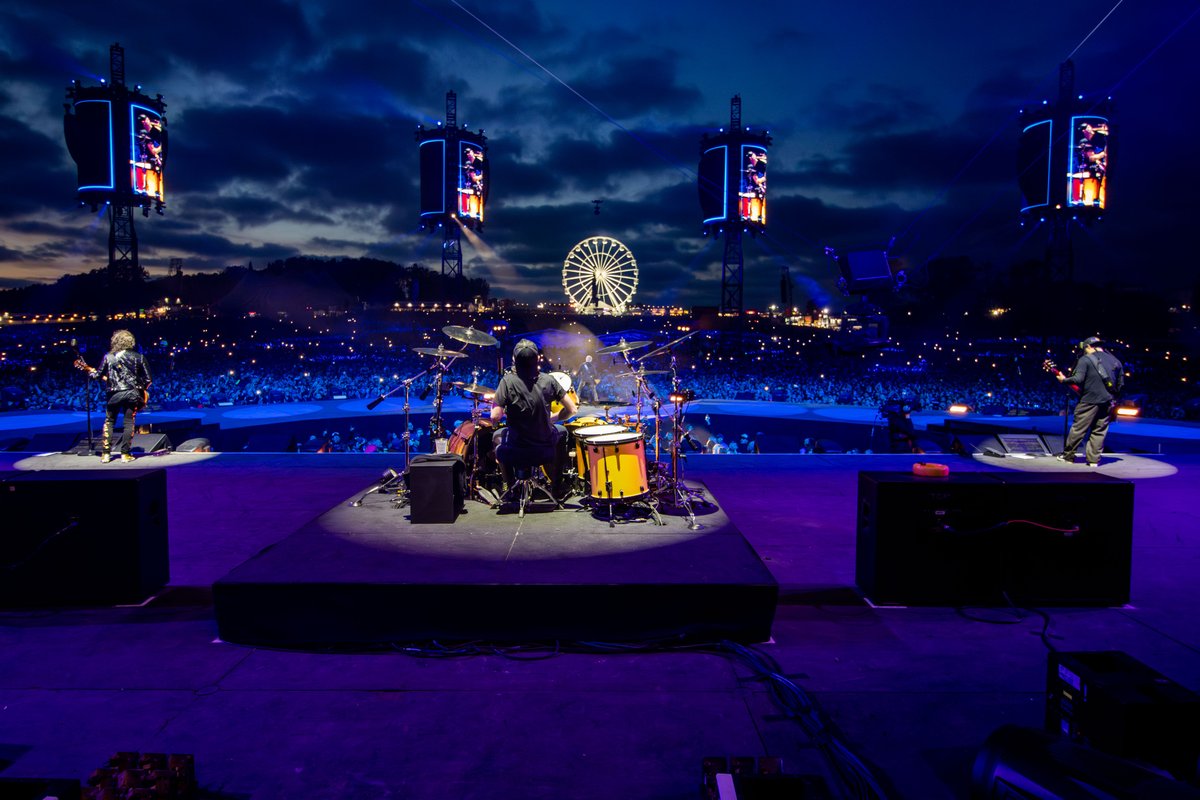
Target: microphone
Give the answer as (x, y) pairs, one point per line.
(374, 403)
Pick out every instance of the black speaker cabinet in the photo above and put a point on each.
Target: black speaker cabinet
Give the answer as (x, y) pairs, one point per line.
(977, 538)
(435, 490)
(82, 537)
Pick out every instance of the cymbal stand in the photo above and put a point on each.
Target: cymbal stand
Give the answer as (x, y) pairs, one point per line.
(391, 478)
(677, 492)
(437, 429)
(473, 492)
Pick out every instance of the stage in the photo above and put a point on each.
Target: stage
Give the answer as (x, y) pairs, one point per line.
(915, 691)
(365, 575)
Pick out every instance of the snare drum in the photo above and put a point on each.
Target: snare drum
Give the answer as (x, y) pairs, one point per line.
(617, 465)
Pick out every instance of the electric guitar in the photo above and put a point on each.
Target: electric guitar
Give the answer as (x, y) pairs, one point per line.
(1050, 367)
(83, 365)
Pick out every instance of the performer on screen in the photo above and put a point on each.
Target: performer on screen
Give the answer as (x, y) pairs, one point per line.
(127, 380)
(531, 437)
(1100, 376)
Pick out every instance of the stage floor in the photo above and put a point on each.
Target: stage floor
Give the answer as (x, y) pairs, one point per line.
(914, 691)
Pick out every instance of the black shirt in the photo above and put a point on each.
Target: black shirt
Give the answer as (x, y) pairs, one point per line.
(527, 406)
(1087, 376)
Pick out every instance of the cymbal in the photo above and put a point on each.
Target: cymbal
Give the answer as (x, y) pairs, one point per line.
(470, 336)
(622, 346)
(605, 404)
(474, 388)
(644, 372)
(439, 351)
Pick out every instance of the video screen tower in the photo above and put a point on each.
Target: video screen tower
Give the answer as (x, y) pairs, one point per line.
(118, 140)
(454, 182)
(733, 195)
(1063, 167)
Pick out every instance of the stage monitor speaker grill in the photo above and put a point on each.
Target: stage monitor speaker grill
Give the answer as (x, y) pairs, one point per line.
(435, 488)
(145, 443)
(199, 445)
(984, 538)
(82, 537)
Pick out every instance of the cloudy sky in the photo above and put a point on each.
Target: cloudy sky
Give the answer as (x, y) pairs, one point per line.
(292, 130)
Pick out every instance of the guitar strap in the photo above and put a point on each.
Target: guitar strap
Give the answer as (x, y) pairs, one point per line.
(1104, 373)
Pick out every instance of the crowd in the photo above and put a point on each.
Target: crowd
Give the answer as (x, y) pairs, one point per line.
(202, 363)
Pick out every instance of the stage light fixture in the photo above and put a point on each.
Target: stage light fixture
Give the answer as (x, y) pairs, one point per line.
(959, 408)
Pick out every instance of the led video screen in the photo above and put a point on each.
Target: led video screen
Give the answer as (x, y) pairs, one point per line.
(148, 139)
(1087, 173)
(714, 184)
(752, 192)
(90, 140)
(472, 187)
(1033, 164)
(433, 177)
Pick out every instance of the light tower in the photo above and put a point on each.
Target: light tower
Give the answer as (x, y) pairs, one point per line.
(454, 182)
(1063, 168)
(118, 140)
(733, 195)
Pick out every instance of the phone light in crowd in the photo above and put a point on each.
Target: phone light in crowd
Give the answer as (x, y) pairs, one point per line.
(959, 408)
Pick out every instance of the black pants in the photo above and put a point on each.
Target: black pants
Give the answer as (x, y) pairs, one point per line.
(1091, 420)
(554, 459)
(119, 403)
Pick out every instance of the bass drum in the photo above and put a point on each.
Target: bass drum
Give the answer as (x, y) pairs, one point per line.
(462, 443)
(564, 380)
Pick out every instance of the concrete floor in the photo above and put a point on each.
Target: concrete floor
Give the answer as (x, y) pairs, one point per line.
(913, 691)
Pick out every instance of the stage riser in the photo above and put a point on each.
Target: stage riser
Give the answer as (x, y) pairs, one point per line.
(299, 615)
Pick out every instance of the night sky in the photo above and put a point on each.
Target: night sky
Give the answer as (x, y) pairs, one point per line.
(292, 127)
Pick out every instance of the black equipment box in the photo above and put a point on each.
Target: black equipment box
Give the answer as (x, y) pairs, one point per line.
(436, 493)
(82, 537)
(1114, 703)
(982, 537)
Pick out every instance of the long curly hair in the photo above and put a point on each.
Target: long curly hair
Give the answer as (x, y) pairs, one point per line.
(121, 340)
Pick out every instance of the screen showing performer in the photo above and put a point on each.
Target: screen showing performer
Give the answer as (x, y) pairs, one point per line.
(471, 189)
(752, 194)
(1088, 173)
(148, 151)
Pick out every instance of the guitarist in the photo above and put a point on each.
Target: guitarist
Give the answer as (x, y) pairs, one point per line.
(127, 377)
(1100, 377)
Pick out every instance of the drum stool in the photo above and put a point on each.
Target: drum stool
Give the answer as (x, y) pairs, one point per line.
(527, 483)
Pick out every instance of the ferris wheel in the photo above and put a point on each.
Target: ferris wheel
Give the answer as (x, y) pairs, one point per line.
(600, 274)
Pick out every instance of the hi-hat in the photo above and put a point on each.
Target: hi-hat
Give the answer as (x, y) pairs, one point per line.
(474, 388)
(622, 347)
(470, 336)
(439, 352)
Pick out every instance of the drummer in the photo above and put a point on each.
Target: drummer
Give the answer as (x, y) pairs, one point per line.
(531, 437)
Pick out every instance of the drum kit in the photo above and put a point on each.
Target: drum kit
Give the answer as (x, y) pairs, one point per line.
(610, 464)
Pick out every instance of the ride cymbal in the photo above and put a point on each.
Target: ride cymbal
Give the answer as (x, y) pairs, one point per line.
(439, 352)
(622, 346)
(470, 336)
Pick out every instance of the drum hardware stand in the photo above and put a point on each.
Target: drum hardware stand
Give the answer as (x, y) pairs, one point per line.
(473, 491)
(676, 491)
(392, 479)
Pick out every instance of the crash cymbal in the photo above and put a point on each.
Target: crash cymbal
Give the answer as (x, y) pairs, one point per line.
(644, 372)
(439, 352)
(474, 388)
(470, 336)
(605, 404)
(622, 346)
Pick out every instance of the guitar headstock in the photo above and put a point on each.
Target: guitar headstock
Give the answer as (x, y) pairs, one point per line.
(1049, 366)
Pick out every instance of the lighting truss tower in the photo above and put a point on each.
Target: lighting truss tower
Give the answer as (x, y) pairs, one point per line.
(733, 196)
(118, 139)
(454, 183)
(1063, 168)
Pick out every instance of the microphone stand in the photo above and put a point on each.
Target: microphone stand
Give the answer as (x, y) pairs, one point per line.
(391, 478)
(87, 404)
